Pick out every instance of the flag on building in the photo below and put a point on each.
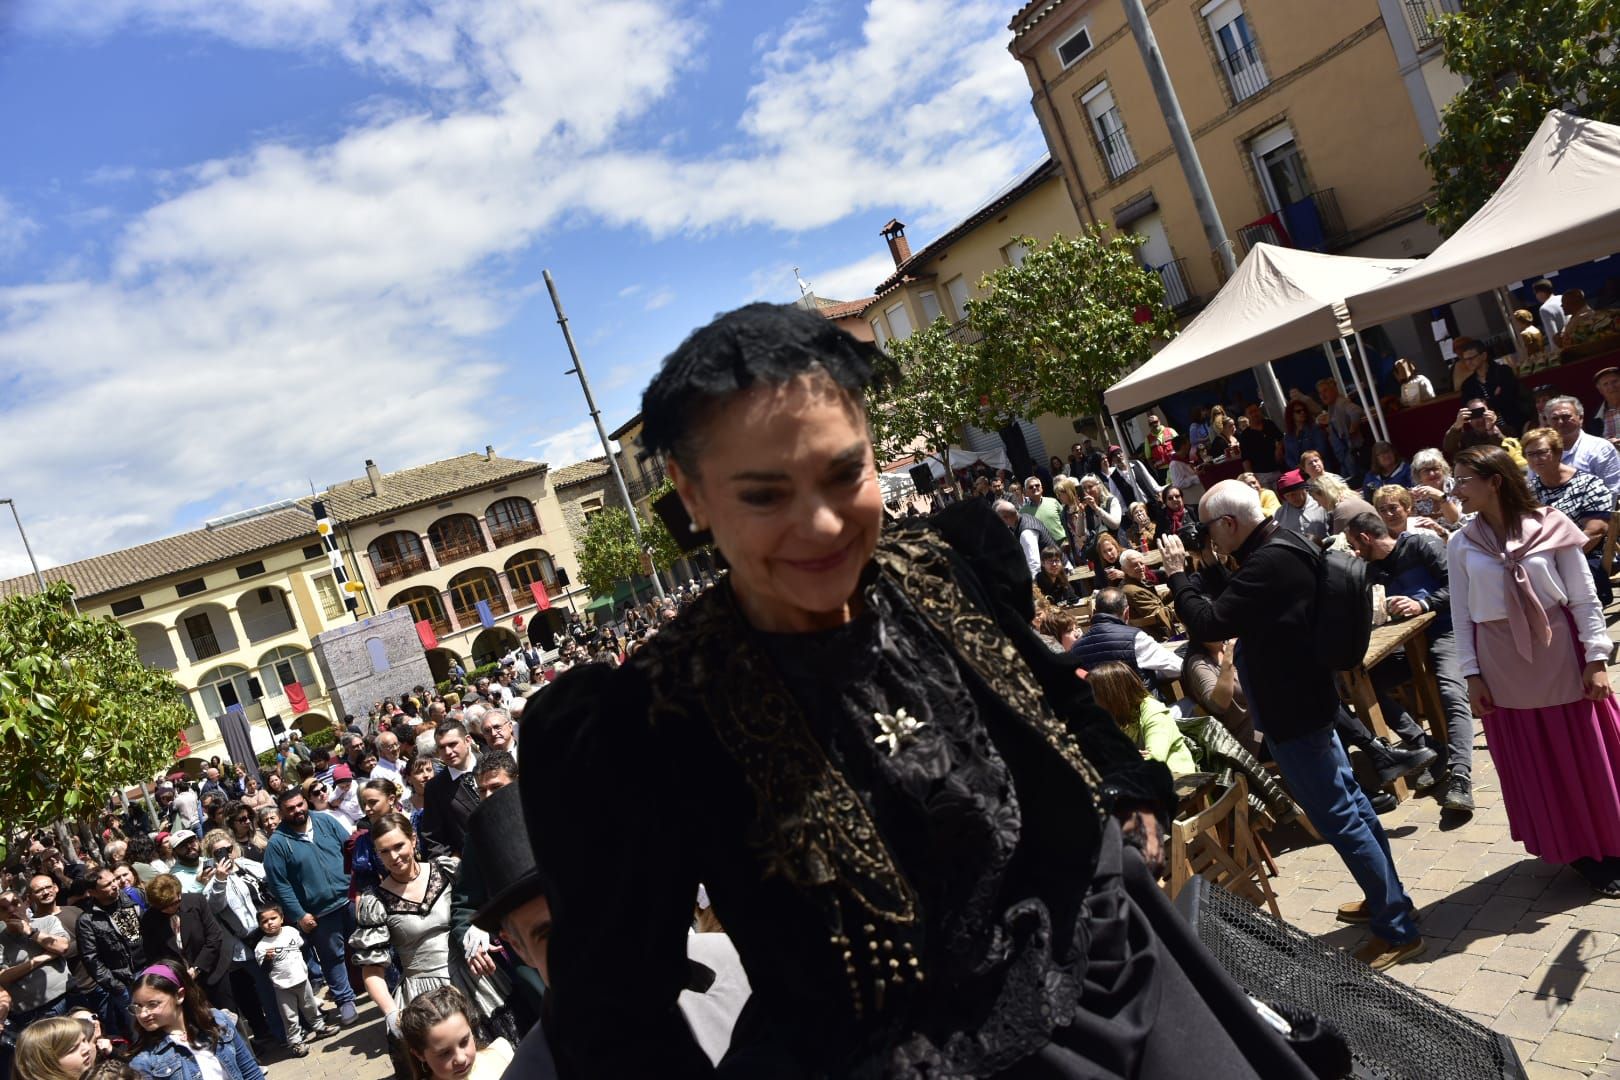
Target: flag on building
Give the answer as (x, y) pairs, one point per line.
(424, 631)
(486, 616)
(542, 599)
(296, 697)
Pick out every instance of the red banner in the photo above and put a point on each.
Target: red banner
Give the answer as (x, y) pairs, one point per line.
(542, 599)
(424, 630)
(296, 697)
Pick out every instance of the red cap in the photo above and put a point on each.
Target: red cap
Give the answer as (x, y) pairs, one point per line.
(341, 772)
(1290, 481)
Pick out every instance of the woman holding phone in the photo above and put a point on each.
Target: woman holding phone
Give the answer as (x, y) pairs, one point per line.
(235, 892)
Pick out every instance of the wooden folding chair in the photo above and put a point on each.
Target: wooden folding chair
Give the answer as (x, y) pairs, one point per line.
(1218, 844)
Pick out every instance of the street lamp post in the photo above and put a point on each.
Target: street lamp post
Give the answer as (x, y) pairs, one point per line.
(38, 577)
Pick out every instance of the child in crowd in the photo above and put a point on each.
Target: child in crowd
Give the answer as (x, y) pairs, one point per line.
(281, 954)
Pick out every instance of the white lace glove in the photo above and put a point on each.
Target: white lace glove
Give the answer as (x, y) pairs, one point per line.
(474, 941)
(392, 1022)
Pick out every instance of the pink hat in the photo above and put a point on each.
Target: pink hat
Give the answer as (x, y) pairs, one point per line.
(341, 772)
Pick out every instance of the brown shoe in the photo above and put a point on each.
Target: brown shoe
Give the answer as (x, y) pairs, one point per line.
(1380, 955)
(1357, 912)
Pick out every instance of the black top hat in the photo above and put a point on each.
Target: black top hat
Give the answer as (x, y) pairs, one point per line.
(506, 859)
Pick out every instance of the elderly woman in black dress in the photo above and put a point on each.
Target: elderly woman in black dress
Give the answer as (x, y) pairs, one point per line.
(905, 808)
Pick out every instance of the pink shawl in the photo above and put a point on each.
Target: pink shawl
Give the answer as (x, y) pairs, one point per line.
(1544, 529)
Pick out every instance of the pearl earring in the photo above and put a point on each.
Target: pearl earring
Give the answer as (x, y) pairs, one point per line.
(692, 527)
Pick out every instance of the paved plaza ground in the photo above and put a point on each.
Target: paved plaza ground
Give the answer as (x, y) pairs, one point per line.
(1520, 946)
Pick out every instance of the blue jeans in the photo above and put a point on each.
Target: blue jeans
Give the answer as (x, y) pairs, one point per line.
(331, 939)
(1318, 773)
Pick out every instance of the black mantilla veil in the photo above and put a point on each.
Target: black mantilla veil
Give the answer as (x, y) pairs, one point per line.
(758, 345)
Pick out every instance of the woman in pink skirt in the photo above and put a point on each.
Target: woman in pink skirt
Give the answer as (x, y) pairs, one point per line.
(1532, 643)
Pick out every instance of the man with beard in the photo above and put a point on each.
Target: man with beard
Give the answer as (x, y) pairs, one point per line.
(110, 945)
(303, 865)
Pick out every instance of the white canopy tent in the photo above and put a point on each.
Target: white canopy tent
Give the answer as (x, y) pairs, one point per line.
(962, 459)
(1559, 206)
(1279, 302)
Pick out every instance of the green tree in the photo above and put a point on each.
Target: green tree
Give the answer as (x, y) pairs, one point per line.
(609, 553)
(924, 393)
(1521, 58)
(80, 715)
(1058, 330)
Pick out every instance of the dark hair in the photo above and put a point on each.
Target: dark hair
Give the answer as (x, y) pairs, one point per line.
(199, 1018)
(761, 344)
(288, 794)
(390, 822)
(498, 761)
(1110, 601)
(446, 727)
(1513, 492)
(141, 848)
(382, 784)
(422, 1015)
(1367, 524)
(262, 908)
(1543, 284)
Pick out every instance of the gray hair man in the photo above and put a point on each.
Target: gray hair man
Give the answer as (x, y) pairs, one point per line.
(1031, 534)
(1584, 453)
(1269, 604)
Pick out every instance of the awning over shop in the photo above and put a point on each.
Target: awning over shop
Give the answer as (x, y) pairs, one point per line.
(1280, 301)
(1558, 207)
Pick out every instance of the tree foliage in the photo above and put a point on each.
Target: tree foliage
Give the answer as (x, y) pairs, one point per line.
(1059, 329)
(1049, 337)
(1521, 58)
(609, 554)
(80, 715)
(925, 393)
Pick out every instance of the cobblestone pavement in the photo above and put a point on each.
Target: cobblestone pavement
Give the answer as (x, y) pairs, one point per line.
(1521, 946)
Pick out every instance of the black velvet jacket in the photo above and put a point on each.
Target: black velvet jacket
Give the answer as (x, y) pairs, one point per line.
(905, 912)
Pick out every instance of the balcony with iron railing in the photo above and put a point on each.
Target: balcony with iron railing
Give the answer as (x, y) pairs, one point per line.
(1178, 292)
(390, 570)
(467, 615)
(1244, 71)
(205, 645)
(1420, 16)
(1314, 223)
(512, 532)
(1116, 148)
(462, 549)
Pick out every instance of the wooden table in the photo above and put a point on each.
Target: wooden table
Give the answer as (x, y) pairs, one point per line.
(1386, 641)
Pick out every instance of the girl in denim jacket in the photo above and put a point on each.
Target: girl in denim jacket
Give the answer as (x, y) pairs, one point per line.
(179, 1036)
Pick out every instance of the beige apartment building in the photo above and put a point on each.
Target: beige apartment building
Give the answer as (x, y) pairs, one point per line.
(230, 609)
(1309, 119)
(442, 539)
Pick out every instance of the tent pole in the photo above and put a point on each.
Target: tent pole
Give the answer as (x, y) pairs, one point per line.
(1355, 380)
(1333, 366)
(1502, 296)
(1378, 406)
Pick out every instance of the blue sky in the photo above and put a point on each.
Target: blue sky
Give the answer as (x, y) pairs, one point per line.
(246, 244)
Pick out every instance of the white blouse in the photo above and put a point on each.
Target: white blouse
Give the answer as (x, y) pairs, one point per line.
(1479, 595)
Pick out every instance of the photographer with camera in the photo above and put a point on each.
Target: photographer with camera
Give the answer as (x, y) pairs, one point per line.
(1268, 603)
(1477, 425)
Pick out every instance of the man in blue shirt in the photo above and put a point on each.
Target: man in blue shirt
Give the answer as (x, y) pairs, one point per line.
(1412, 570)
(303, 865)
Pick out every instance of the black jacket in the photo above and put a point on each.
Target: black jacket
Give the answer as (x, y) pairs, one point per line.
(1417, 568)
(1269, 605)
(447, 804)
(201, 944)
(110, 942)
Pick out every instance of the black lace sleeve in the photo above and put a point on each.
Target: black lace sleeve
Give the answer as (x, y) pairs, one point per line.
(993, 575)
(611, 851)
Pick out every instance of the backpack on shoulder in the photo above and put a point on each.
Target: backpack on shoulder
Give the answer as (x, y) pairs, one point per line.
(1344, 617)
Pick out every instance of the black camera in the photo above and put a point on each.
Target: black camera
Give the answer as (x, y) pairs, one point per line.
(1194, 536)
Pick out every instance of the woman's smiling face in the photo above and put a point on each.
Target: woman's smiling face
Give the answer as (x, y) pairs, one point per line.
(784, 479)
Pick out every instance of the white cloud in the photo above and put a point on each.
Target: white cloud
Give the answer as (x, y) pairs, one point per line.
(578, 443)
(629, 291)
(296, 308)
(15, 229)
(855, 280)
(663, 297)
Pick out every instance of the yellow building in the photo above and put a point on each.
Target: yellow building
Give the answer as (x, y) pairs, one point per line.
(230, 609)
(1309, 120)
(442, 538)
